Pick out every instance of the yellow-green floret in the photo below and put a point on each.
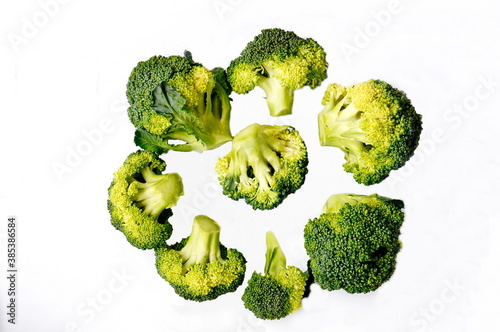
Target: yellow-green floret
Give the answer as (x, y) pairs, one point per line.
(353, 244)
(279, 62)
(141, 198)
(278, 291)
(265, 165)
(178, 104)
(374, 124)
(199, 267)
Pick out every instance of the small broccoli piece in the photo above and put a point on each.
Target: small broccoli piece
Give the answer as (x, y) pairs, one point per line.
(177, 104)
(279, 291)
(375, 125)
(199, 267)
(141, 199)
(354, 242)
(265, 165)
(279, 62)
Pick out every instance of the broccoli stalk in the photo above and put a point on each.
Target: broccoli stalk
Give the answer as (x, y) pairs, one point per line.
(279, 97)
(339, 125)
(156, 193)
(336, 202)
(203, 244)
(258, 153)
(275, 258)
(214, 113)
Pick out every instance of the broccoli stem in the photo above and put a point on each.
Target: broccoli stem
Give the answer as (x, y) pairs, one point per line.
(214, 112)
(183, 136)
(340, 121)
(275, 258)
(339, 125)
(256, 151)
(337, 201)
(203, 245)
(279, 98)
(158, 192)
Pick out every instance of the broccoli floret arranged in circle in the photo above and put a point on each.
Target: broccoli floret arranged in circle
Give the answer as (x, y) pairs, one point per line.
(374, 124)
(353, 244)
(279, 62)
(178, 104)
(265, 165)
(199, 267)
(141, 198)
(279, 290)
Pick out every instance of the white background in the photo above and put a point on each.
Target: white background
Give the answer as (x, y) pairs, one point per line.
(64, 66)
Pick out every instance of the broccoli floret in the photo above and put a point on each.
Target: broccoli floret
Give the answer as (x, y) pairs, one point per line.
(177, 104)
(279, 291)
(279, 62)
(265, 165)
(375, 125)
(141, 199)
(354, 242)
(199, 267)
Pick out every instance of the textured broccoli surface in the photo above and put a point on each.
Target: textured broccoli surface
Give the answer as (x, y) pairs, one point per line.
(265, 165)
(374, 124)
(178, 104)
(140, 199)
(354, 243)
(279, 62)
(279, 290)
(199, 267)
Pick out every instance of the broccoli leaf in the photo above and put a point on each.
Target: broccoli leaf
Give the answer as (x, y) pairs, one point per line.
(185, 126)
(170, 103)
(156, 143)
(220, 77)
(166, 100)
(150, 142)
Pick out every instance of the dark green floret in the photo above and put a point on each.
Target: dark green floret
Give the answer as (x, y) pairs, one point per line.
(199, 267)
(374, 124)
(141, 199)
(279, 290)
(354, 243)
(279, 62)
(265, 165)
(177, 104)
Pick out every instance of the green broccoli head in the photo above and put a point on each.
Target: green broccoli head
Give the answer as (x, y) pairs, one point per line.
(141, 199)
(177, 104)
(265, 165)
(279, 62)
(199, 267)
(279, 290)
(375, 125)
(354, 242)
